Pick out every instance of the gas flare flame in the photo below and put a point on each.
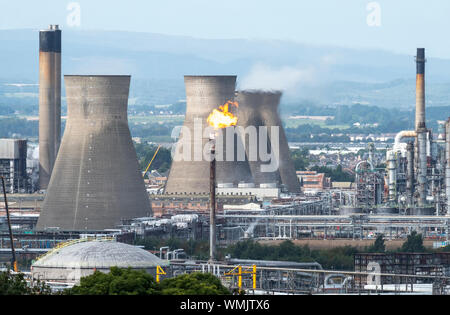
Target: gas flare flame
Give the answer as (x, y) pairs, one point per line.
(222, 118)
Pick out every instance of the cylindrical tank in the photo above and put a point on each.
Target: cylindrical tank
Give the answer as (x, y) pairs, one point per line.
(250, 119)
(422, 163)
(392, 174)
(96, 180)
(410, 171)
(190, 174)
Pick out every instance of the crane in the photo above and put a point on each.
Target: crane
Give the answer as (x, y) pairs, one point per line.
(149, 164)
(13, 252)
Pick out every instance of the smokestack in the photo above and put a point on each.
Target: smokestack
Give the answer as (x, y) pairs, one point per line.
(421, 127)
(420, 89)
(271, 118)
(447, 165)
(96, 181)
(49, 101)
(190, 174)
(249, 113)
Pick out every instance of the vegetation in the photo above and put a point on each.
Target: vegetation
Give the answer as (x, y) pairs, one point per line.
(378, 246)
(18, 128)
(300, 158)
(193, 284)
(116, 282)
(340, 258)
(414, 244)
(197, 249)
(138, 282)
(15, 284)
(145, 153)
(337, 175)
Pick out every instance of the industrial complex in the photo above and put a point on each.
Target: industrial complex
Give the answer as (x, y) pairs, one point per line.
(88, 200)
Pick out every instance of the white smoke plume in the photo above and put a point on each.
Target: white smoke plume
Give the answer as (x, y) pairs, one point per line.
(264, 77)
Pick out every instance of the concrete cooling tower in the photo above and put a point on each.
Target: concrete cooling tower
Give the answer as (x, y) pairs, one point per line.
(191, 176)
(249, 114)
(270, 118)
(96, 180)
(49, 101)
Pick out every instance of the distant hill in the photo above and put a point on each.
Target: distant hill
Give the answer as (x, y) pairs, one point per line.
(157, 63)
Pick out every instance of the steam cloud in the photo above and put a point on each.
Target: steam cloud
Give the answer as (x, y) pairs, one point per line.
(263, 77)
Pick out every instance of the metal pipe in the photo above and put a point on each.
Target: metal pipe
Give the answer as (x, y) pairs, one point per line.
(422, 178)
(401, 135)
(212, 202)
(11, 238)
(410, 172)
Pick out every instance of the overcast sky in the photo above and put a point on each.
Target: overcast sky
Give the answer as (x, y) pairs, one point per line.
(393, 25)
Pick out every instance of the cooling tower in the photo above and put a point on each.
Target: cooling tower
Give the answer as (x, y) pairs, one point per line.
(270, 118)
(249, 113)
(96, 180)
(190, 174)
(49, 101)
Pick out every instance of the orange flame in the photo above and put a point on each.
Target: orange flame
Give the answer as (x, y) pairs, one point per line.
(222, 118)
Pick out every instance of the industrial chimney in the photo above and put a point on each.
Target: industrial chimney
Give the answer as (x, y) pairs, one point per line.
(190, 174)
(249, 113)
(96, 180)
(447, 164)
(421, 129)
(49, 101)
(271, 118)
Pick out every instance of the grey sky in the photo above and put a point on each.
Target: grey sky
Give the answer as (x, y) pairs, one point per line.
(405, 24)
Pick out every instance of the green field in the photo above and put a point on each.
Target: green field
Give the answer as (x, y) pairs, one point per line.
(295, 122)
(155, 119)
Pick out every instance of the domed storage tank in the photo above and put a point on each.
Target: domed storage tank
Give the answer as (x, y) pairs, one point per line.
(72, 262)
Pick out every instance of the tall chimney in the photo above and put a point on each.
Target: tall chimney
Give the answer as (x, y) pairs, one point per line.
(420, 89)
(49, 101)
(421, 126)
(96, 181)
(447, 165)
